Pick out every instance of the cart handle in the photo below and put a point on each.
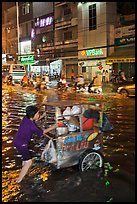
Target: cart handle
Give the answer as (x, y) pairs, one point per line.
(49, 137)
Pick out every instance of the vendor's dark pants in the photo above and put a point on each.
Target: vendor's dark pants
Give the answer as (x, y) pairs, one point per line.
(24, 151)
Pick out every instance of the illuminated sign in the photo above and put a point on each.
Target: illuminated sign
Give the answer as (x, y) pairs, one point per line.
(32, 33)
(119, 60)
(27, 59)
(43, 22)
(25, 47)
(124, 40)
(92, 52)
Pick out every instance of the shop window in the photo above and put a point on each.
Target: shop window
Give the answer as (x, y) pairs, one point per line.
(83, 69)
(92, 17)
(26, 8)
(68, 35)
(67, 11)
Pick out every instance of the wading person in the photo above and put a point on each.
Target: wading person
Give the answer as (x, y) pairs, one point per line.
(24, 134)
(72, 75)
(103, 76)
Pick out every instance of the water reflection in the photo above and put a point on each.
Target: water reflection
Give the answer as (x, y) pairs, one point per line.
(41, 184)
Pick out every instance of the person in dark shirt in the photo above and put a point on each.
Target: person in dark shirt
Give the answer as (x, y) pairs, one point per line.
(24, 134)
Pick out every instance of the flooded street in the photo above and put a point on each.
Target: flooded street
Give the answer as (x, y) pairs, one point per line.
(114, 183)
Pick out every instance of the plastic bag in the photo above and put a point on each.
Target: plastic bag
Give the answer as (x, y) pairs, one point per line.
(67, 113)
(75, 110)
(106, 126)
(49, 153)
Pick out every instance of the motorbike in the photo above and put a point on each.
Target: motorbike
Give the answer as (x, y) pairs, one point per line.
(24, 83)
(37, 86)
(80, 87)
(62, 86)
(94, 89)
(44, 85)
(9, 81)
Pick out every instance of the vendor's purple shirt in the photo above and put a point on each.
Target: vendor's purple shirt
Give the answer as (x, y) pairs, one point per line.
(25, 132)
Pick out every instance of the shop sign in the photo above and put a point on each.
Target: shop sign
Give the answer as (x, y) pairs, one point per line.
(32, 33)
(100, 67)
(122, 40)
(92, 52)
(43, 22)
(27, 59)
(120, 60)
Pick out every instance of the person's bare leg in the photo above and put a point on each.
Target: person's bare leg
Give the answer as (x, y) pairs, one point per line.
(24, 170)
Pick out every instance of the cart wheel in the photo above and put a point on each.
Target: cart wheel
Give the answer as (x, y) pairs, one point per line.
(90, 160)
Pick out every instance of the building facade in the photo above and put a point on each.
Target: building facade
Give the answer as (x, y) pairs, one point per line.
(95, 34)
(64, 37)
(123, 57)
(9, 34)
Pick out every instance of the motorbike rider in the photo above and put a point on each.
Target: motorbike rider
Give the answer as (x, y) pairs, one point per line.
(30, 79)
(38, 82)
(24, 81)
(91, 84)
(97, 85)
(45, 82)
(9, 79)
(80, 82)
(62, 82)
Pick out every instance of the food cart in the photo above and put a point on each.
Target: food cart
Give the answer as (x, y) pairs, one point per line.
(73, 143)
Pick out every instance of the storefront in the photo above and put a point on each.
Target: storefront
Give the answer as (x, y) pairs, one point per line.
(28, 61)
(92, 62)
(53, 69)
(39, 68)
(123, 59)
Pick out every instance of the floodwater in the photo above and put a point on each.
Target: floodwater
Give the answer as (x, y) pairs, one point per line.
(114, 183)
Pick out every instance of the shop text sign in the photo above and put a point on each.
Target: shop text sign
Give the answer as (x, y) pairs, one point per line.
(27, 59)
(92, 53)
(43, 22)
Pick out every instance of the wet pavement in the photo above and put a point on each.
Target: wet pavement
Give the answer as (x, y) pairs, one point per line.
(114, 183)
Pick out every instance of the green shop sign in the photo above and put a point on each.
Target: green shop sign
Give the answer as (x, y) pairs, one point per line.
(27, 59)
(94, 52)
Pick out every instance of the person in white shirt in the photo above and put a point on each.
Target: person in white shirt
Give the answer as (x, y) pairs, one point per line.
(80, 82)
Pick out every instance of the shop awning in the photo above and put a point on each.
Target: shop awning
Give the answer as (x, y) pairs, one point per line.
(121, 56)
(44, 63)
(40, 63)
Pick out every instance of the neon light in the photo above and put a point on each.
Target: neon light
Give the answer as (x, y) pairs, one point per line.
(43, 22)
(32, 33)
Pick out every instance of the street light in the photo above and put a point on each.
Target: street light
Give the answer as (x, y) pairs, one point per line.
(48, 64)
(17, 6)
